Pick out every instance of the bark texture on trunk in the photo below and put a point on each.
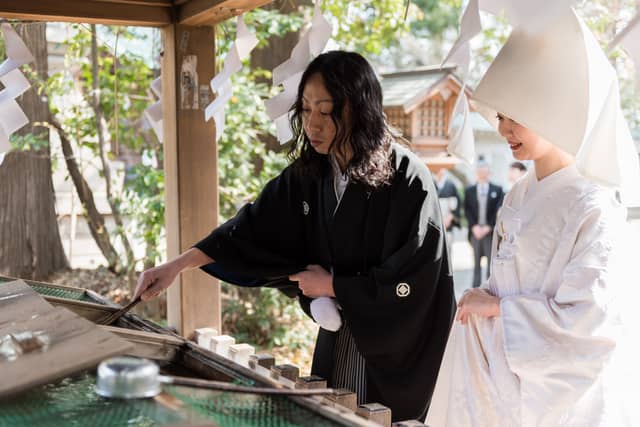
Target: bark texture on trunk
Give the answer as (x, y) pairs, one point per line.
(30, 244)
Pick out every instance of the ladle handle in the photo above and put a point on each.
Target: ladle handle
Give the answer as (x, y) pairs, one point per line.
(224, 386)
(111, 318)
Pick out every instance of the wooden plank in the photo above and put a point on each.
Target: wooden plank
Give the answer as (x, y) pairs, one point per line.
(147, 344)
(211, 12)
(376, 413)
(70, 344)
(210, 365)
(311, 381)
(162, 3)
(18, 301)
(343, 397)
(146, 13)
(171, 178)
(196, 155)
(88, 310)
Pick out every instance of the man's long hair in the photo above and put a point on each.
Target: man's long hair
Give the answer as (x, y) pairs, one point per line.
(354, 88)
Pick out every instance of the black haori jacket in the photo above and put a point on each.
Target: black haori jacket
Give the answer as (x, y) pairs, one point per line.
(391, 274)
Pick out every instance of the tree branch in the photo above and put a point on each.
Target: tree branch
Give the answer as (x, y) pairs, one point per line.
(97, 108)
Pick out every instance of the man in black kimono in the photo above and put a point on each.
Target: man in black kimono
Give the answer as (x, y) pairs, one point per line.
(396, 296)
(382, 249)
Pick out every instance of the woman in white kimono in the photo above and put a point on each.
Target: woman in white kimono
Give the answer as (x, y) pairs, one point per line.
(537, 345)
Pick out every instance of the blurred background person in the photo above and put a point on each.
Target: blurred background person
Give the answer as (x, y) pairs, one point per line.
(481, 203)
(516, 171)
(450, 205)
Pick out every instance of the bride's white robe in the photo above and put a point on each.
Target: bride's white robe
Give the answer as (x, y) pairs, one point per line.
(546, 360)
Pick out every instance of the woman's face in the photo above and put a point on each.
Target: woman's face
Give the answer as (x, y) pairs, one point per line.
(317, 122)
(524, 144)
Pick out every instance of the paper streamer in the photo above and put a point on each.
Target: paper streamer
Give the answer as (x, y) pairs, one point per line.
(156, 86)
(221, 83)
(15, 84)
(12, 118)
(219, 120)
(470, 26)
(461, 142)
(289, 73)
(225, 92)
(283, 128)
(17, 52)
(280, 104)
(153, 113)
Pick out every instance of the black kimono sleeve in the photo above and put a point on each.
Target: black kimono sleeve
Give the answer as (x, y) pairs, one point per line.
(262, 244)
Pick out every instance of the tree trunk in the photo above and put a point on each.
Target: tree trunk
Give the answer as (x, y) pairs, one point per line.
(30, 244)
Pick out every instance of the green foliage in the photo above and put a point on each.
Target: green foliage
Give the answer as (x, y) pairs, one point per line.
(264, 317)
(29, 142)
(143, 202)
(432, 18)
(272, 23)
(366, 27)
(244, 163)
(604, 19)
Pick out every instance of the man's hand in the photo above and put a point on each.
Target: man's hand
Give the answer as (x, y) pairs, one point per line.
(314, 282)
(155, 280)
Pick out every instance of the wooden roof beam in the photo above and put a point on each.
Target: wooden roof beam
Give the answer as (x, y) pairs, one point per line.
(113, 12)
(211, 12)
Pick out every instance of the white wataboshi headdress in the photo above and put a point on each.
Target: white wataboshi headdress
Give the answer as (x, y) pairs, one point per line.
(560, 85)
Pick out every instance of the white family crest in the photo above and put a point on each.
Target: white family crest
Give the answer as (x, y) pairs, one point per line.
(305, 208)
(403, 290)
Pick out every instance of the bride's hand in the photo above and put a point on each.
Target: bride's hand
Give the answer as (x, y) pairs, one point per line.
(479, 302)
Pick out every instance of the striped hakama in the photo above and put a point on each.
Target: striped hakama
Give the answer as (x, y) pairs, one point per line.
(349, 368)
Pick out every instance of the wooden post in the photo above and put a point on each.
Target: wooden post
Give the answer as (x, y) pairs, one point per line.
(376, 413)
(191, 173)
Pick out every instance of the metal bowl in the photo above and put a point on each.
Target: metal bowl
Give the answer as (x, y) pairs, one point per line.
(128, 378)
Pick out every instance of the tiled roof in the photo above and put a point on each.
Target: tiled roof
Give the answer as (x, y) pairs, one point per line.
(401, 87)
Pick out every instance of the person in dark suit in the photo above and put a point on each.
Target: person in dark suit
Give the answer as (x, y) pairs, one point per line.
(481, 203)
(450, 204)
